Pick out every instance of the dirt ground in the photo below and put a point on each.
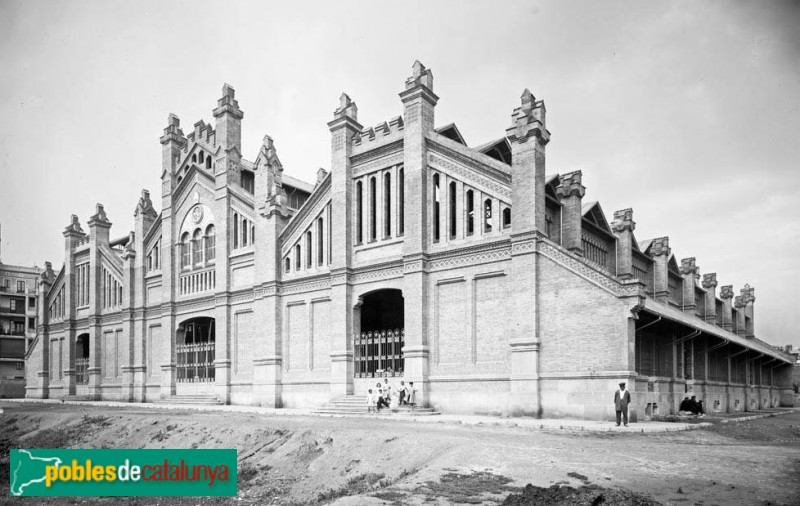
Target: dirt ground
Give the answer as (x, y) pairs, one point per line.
(353, 461)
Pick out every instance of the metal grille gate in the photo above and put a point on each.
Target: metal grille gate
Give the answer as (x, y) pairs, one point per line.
(379, 353)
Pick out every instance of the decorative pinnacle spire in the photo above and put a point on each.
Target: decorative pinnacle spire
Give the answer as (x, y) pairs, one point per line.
(347, 108)
(528, 120)
(623, 220)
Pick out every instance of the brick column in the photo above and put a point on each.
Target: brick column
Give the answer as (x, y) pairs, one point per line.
(528, 137)
(749, 299)
(689, 270)
(726, 294)
(570, 192)
(343, 127)
(271, 218)
(99, 227)
(42, 389)
(172, 142)
(419, 102)
(660, 251)
(623, 227)
(739, 304)
(126, 353)
(144, 216)
(72, 235)
(710, 286)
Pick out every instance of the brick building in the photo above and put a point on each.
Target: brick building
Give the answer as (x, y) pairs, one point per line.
(17, 324)
(492, 285)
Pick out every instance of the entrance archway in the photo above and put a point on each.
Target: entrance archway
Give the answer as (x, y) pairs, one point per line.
(82, 360)
(378, 348)
(195, 349)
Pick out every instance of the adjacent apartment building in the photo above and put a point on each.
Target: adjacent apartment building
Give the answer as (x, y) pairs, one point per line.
(18, 305)
(472, 270)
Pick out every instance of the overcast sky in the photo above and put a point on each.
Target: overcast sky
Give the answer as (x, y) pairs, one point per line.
(687, 112)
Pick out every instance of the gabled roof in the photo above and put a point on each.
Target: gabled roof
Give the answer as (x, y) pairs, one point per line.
(592, 212)
(645, 245)
(672, 264)
(499, 149)
(296, 183)
(451, 132)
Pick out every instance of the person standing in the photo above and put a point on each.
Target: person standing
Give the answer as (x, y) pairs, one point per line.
(621, 400)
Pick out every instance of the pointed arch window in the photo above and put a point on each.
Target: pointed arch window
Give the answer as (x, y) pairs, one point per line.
(401, 194)
(186, 251)
(451, 197)
(309, 250)
(320, 245)
(373, 211)
(470, 212)
(197, 247)
(387, 205)
(211, 243)
(359, 213)
(487, 215)
(436, 209)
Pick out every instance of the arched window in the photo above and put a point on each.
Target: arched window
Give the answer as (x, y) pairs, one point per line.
(235, 230)
(359, 213)
(211, 243)
(506, 217)
(197, 247)
(288, 265)
(157, 257)
(252, 234)
(436, 209)
(194, 158)
(470, 212)
(297, 263)
(387, 205)
(487, 215)
(451, 197)
(208, 162)
(309, 255)
(320, 245)
(186, 251)
(373, 211)
(200, 158)
(401, 193)
(244, 232)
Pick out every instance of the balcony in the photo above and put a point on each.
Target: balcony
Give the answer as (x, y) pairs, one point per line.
(198, 281)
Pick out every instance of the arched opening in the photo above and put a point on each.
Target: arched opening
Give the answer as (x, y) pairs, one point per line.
(208, 162)
(378, 349)
(195, 350)
(82, 360)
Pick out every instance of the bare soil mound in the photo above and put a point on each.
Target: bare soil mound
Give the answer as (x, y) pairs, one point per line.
(591, 495)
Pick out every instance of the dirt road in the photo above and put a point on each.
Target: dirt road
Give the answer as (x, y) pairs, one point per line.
(303, 460)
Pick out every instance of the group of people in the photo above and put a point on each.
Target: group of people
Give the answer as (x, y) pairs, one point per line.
(385, 395)
(692, 406)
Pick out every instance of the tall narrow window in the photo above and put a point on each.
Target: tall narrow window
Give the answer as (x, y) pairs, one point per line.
(506, 217)
(436, 209)
(470, 212)
(288, 265)
(387, 205)
(320, 245)
(359, 213)
(401, 194)
(197, 247)
(244, 232)
(235, 230)
(487, 215)
(211, 243)
(373, 211)
(309, 255)
(157, 256)
(186, 251)
(452, 200)
(297, 263)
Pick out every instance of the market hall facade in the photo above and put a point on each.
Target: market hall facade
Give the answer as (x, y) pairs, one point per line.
(491, 283)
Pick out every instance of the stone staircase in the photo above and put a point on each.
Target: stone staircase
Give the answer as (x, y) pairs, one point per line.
(357, 405)
(193, 399)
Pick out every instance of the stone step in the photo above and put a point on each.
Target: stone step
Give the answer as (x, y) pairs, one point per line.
(356, 404)
(189, 399)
